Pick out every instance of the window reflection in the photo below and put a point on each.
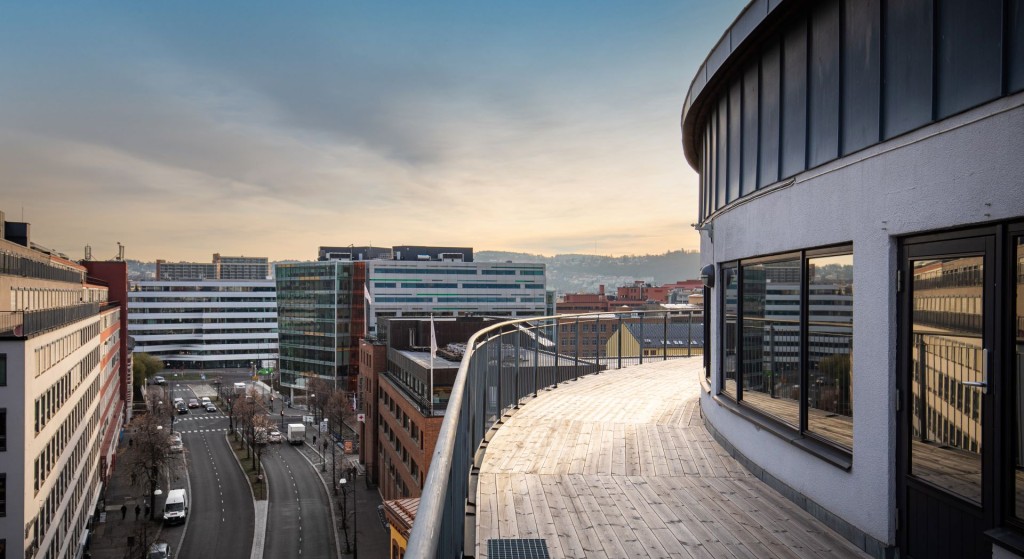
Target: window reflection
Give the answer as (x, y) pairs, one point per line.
(731, 282)
(771, 338)
(830, 348)
(1019, 364)
(947, 351)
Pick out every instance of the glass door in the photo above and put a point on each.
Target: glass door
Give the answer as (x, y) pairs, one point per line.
(946, 440)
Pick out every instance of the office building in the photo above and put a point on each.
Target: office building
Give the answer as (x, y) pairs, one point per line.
(320, 320)
(60, 396)
(876, 143)
(210, 324)
(411, 288)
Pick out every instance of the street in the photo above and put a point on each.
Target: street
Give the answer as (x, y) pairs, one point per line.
(299, 519)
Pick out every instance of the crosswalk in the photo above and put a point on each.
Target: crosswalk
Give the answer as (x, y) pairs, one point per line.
(218, 430)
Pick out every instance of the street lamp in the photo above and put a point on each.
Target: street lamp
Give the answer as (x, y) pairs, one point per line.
(344, 519)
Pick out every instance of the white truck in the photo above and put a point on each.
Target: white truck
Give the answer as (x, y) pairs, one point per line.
(296, 433)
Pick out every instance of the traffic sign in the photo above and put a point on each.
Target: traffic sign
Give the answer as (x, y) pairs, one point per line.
(361, 417)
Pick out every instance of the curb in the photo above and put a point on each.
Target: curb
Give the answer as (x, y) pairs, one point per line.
(259, 532)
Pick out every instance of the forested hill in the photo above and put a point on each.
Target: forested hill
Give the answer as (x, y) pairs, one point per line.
(572, 273)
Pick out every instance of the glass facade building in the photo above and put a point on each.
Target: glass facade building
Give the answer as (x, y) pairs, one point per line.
(316, 303)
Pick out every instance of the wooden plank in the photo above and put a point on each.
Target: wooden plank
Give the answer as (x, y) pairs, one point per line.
(635, 536)
(543, 519)
(609, 534)
(561, 518)
(486, 512)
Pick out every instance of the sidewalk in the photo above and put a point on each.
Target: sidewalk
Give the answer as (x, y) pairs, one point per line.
(365, 528)
(117, 538)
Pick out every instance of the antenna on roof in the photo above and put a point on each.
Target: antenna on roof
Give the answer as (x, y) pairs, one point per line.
(120, 251)
(88, 252)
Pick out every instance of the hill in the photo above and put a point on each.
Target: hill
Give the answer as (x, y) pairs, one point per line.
(573, 273)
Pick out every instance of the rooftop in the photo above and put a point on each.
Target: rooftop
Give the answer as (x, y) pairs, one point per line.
(620, 465)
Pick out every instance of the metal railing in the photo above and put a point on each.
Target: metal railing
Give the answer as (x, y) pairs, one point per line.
(29, 323)
(509, 362)
(17, 265)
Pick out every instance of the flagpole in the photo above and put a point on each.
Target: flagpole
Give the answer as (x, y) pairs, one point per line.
(433, 348)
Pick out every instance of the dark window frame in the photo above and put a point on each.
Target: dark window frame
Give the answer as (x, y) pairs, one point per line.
(802, 436)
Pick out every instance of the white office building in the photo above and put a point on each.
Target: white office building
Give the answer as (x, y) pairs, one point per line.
(208, 324)
(396, 288)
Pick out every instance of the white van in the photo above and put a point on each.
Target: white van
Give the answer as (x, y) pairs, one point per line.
(176, 506)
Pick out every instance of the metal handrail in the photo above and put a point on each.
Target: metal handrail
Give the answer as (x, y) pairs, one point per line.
(491, 382)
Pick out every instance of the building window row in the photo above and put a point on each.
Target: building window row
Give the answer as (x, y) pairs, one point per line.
(50, 455)
(85, 452)
(50, 354)
(37, 298)
(51, 400)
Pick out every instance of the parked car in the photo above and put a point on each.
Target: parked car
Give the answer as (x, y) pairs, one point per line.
(275, 436)
(210, 408)
(159, 380)
(159, 550)
(176, 445)
(193, 403)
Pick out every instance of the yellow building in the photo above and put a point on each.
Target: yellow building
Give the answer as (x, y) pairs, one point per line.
(400, 515)
(657, 339)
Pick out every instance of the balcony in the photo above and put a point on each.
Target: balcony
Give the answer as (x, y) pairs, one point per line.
(612, 461)
(25, 324)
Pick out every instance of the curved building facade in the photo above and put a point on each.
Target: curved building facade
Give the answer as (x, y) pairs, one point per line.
(874, 144)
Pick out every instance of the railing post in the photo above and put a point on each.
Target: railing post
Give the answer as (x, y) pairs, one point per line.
(499, 409)
(576, 356)
(620, 341)
(558, 351)
(689, 335)
(518, 396)
(771, 362)
(640, 338)
(597, 345)
(922, 372)
(536, 360)
(664, 338)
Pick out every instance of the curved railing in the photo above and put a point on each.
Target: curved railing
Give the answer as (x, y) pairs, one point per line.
(509, 362)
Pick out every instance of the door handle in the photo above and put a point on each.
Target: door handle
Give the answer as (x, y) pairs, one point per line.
(983, 383)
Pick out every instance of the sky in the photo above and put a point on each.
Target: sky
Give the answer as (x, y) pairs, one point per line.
(181, 129)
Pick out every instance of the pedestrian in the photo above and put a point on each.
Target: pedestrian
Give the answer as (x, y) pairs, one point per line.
(124, 511)
(138, 511)
(314, 440)
(129, 442)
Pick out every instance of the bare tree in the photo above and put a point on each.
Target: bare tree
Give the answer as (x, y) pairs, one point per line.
(150, 454)
(318, 393)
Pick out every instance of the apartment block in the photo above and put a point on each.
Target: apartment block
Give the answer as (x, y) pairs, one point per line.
(60, 396)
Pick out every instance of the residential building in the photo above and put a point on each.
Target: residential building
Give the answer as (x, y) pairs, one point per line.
(205, 324)
(657, 339)
(221, 268)
(60, 396)
(400, 515)
(885, 134)
(574, 303)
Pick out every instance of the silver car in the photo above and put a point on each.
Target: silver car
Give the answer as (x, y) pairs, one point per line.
(159, 550)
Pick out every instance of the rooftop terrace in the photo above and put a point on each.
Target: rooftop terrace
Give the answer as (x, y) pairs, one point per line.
(620, 465)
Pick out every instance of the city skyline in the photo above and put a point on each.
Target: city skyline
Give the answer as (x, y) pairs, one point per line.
(187, 129)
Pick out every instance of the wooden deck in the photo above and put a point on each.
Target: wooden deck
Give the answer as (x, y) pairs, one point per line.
(620, 465)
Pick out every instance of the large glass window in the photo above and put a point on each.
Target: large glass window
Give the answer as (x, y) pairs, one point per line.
(830, 348)
(788, 340)
(730, 336)
(771, 338)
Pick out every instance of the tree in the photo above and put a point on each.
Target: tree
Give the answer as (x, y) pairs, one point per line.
(318, 393)
(144, 366)
(150, 455)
